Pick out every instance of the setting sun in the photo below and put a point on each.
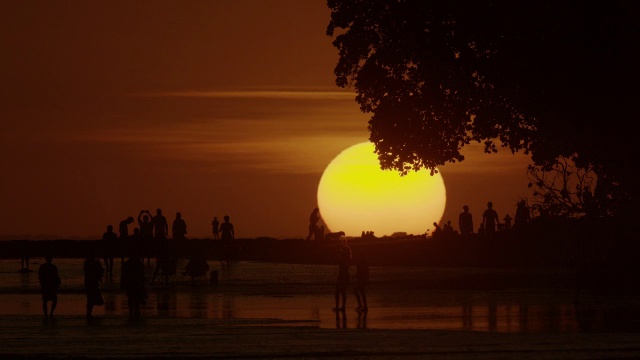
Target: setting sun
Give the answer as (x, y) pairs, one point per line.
(355, 195)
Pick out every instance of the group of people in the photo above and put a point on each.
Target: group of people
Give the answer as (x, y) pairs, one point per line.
(132, 283)
(360, 280)
(490, 221)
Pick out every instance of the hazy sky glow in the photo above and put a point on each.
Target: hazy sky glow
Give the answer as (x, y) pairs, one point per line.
(210, 108)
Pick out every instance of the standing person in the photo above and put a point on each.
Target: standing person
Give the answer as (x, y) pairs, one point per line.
(133, 284)
(344, 261)
(490, 219)
(228, 234)
(109, 241)
(465, 222)
(314, 217)
(361, 280)
(161, 229)
(49, 286)
(216, 228)
(123, 229)
(93, 273)
(146, 232)
(179, 228)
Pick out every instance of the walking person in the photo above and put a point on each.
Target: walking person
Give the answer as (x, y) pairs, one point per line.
(133, 284)
(344, 261)
(361, 280)
(49, 285)
(93, 273)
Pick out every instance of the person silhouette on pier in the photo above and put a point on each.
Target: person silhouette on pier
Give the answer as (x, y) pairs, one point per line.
(314, 217)
(179, 228)
(146, 232)
(123, 229)
(490, 220)
(109, 241)
(465, 222)
(49, 285)
(228, 236)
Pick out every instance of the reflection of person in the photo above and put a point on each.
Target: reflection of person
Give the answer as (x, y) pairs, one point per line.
(93, 273)
(465, 221)
(344, 261)
(313, 223)
(361, 280)
(133, 284)
(49, 285)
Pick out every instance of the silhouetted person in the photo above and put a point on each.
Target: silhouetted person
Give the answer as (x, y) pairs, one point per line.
(161, 229)
(344, 261)
(93, 273)
(216, 228)
(523, 215)
(507, 222)
(465, 221)
(447, 230)
(490, 219)
(361, 280)
(313, 222)
(49, 285)
(228, 236)
(160, 225)
(179, 227)
(123, 229)
(133, 284)
(146, 232)
(109, 241)
(437, 231)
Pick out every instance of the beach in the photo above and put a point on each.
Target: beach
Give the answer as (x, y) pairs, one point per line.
(280, 310)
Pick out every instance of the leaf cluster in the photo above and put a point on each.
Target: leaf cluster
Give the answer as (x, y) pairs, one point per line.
(553, 79)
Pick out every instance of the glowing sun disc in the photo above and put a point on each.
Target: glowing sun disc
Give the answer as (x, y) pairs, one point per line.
(355, 195)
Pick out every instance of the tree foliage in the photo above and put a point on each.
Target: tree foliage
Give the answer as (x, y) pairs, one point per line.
(554, 79)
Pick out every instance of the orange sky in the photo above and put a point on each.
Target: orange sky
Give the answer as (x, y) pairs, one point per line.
(205, 107)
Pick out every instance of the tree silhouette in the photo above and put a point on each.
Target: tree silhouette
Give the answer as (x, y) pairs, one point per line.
(553, 79)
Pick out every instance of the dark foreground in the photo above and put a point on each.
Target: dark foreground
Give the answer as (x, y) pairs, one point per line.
(74, 338)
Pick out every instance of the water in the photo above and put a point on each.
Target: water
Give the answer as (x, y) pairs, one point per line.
(303, 295)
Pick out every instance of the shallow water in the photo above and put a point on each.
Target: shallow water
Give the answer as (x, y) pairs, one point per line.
(303, 295)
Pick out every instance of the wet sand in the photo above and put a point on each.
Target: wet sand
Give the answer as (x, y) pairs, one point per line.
(73, 337)
(284, 311)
